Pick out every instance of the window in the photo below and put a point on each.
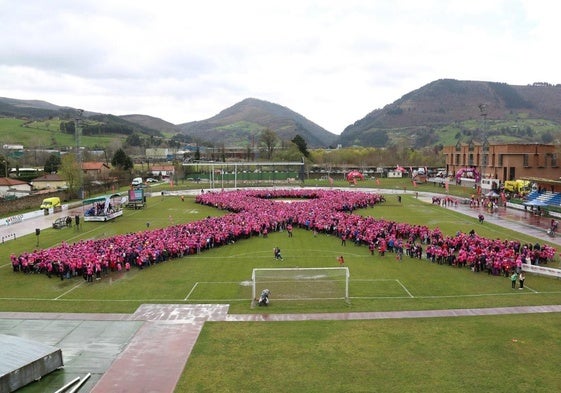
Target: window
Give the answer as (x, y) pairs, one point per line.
(525, 158)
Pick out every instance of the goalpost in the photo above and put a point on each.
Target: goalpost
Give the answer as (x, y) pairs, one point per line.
(321, 283)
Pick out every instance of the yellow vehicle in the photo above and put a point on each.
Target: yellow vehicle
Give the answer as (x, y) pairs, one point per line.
(521, 187)
(50, 202)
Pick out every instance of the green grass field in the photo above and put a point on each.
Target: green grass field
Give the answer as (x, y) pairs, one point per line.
(47, 133)
(468, 354)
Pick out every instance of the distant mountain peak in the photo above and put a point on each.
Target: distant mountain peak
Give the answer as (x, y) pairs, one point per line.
(237, 124)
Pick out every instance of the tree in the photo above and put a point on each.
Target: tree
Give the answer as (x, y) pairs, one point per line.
(70, 172)
(4, 167)
(121, 160)
(52, 163)
(67, 127)
(133, 140)
(268, 140)
(547, 137)
(289, 153)
(302, 145)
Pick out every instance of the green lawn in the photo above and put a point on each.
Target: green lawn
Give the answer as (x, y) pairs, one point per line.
(467, 354)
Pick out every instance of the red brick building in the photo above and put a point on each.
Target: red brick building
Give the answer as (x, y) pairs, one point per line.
(505, 161)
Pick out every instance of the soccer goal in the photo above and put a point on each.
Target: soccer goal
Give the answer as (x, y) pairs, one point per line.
(322, 283)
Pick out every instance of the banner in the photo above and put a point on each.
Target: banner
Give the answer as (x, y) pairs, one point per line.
(544, 271)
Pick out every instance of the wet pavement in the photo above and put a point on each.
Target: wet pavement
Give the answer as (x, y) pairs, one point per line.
(516, 219)
(146, 351)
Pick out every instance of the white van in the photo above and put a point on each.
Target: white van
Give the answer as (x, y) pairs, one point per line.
(137, 181)
(490, 185)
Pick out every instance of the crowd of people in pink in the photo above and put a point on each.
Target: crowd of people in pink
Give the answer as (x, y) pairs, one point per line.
(256, 212)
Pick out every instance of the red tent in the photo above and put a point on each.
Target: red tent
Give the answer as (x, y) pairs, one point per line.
(353, 176)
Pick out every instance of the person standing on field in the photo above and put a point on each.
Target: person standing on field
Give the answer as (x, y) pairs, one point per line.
(513, 279)
(289, 230)
(521, 278)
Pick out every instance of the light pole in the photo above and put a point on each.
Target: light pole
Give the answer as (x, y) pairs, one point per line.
(485, 146)
(78, 131)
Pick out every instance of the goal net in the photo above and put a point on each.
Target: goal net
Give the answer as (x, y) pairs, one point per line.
(302, 283)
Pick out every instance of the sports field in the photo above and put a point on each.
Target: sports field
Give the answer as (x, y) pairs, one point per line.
(491, 353)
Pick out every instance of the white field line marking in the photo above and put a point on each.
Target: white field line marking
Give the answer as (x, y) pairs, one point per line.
(170, 300)
(405, 289)
(191, 291)
(270, 255)
(533, 290)
(70, 290)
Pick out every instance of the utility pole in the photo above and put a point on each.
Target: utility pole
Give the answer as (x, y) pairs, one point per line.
(78, 131)
(485, 146)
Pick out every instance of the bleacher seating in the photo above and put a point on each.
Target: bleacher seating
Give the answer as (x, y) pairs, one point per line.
(533, 195)
(547, 198)
(555, 200)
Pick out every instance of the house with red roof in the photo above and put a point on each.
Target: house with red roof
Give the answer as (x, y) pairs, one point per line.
(162, 170)
(13, 187)
(96, 170)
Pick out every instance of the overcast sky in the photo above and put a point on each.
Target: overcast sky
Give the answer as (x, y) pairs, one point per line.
(332, 61)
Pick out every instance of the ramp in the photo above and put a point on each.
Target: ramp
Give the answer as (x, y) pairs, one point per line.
(23, 361)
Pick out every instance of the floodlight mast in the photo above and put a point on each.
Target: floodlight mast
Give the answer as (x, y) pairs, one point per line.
(484, 160)
(78, 133)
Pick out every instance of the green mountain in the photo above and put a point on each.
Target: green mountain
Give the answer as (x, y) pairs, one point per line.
(93, 123)
(153, 123)
(447, 110)
(442, 112)
(242, 123)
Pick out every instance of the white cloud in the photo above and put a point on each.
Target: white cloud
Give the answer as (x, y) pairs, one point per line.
(331, 61)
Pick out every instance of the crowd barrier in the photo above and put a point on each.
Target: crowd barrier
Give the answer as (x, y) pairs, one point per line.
(542, 270)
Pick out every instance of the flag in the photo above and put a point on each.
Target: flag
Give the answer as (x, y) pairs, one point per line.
(414, 183)
(330, 180)
(354, 181)
(377, 181)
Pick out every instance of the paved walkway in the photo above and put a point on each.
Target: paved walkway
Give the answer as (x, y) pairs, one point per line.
(154, 343)
(154, 354)
(515, 219)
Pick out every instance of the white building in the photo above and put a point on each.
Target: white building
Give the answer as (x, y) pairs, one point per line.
(13, 187)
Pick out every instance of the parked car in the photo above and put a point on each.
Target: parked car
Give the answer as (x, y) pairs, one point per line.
(62, 222)
(151, 180)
